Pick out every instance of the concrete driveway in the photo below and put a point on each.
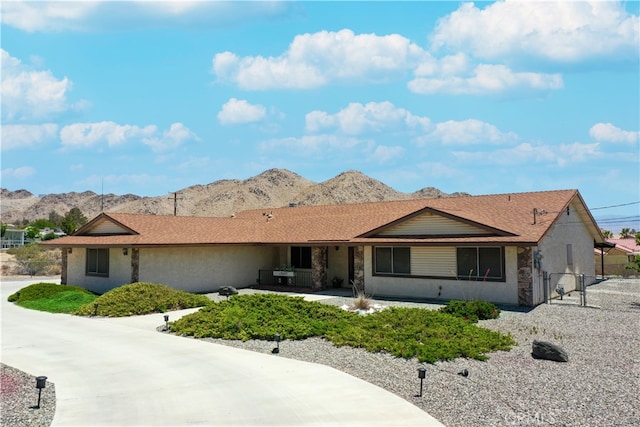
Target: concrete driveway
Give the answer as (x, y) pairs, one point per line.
(122, 372)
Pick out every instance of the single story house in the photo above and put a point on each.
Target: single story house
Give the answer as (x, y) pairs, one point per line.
(497, 248)
(614, 259)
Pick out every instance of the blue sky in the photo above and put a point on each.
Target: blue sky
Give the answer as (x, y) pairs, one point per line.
(150, 97)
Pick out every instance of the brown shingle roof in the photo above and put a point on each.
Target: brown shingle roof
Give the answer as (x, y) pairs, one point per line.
(511, 215)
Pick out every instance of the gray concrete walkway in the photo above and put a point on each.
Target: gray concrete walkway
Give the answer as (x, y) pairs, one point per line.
(121, 372)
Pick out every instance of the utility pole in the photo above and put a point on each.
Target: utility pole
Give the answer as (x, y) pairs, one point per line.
(175, 203)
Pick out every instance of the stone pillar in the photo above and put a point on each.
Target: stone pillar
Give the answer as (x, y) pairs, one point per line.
(358, 268)
(525, 276)
(65, 263)
(318, 266)
(135, 265)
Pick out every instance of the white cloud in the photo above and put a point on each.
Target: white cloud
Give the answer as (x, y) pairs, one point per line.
(177, 135)
(313, 60)
(467, 132)
(607, 132)
(52, 16)
(237, 111)
(358, 119)
(26, 136)
(86, 135)
(526, 153)
(384, 154)
(483, 79)
(311, 145)
(29, 94)
(18, 173)
(563, 31)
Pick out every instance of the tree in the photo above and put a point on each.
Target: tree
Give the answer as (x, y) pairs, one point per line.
(32, 260)
(73, 220)
(625, 233)
(55, 218)
(3, 229)
(31, 232)
(606, 233)
(638, 239)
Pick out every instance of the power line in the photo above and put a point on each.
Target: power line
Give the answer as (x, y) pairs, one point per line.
(616, 206)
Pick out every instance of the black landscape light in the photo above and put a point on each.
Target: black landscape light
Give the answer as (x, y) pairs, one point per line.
(166, 322)
(421, 374)
(41, 383)
(95, 308)
(277, 349)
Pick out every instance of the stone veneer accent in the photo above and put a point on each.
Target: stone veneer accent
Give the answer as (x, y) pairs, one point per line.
(65, 261)
(135, 265)
(318, 271)
(525, 276)
(358, 268)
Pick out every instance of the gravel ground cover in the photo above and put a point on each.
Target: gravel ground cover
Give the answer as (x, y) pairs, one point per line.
(597, 387)
(19, 396)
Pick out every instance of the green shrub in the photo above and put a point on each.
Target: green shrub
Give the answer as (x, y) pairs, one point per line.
(43, 290)
(142, 298)
(472, 311)
(52, 297)
(261, 316)
(404, 332)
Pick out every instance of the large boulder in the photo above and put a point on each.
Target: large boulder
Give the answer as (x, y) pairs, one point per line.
(548, 351)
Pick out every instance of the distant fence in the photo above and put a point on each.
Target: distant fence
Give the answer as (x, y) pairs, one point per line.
(297, 279)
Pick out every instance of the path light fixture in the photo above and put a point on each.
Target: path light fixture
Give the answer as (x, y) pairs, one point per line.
(95, 308)
(125, 251)
(277, 349)
(166, 322)
(421, 374)
(41, 383)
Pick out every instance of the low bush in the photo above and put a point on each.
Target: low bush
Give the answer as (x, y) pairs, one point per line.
(261, 316)
(404, 332)
(43, 290)
(142, 298)
(471, 311)
(52, 297)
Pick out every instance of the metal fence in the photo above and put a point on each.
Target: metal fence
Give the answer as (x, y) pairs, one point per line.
(560, 286)
(299, 279)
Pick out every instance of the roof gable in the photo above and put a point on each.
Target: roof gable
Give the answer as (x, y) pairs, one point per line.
(432, 223)
(104, 225)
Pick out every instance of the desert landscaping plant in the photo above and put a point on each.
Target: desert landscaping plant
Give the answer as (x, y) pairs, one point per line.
(52, 297)
(35, 261)
(471, 311)
(404, 332)
(142, 298)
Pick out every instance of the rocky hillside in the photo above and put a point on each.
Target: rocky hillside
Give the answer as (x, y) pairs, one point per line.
(272, 188)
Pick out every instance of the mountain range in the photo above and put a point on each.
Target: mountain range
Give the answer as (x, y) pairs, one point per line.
(270, 189)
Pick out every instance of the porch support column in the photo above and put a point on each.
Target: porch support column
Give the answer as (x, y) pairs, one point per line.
(318, 267)
(358, 268)
(135, 265)
(525, 276)
(65, 263)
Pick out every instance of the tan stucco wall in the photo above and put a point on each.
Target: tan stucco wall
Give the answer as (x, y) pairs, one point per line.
(207, 269)
(415, 287)
(194, 269)
(119, 270)
(569, 229)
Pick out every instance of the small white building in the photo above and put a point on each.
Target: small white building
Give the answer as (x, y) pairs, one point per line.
(497, 248)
